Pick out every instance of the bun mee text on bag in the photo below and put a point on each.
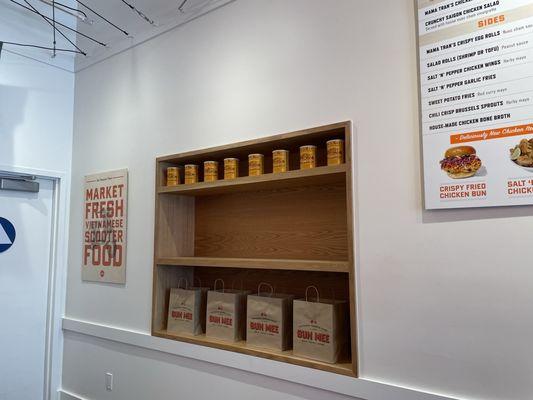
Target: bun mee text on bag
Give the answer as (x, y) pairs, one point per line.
(319, 328)
(268, 319)
(226, 313)
(186, 310)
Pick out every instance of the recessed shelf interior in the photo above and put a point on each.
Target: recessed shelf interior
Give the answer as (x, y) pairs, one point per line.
(325, 175)
(331, 285)
(291, 142)
(291, 230)
(305, 222)
(343, 367)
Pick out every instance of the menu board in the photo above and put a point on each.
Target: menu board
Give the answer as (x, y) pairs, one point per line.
(476, 92)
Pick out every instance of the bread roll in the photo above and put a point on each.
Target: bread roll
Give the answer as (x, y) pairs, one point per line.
(459, 151)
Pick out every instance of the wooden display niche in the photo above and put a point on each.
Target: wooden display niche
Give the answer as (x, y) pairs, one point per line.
(290, 229)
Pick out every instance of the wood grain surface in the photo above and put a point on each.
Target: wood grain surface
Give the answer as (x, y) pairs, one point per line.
(294, 223)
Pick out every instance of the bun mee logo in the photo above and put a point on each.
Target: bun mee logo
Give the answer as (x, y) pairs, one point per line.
(312, 336)
(214, 319)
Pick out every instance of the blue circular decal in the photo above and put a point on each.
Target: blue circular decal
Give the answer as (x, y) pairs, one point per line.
(7, 234)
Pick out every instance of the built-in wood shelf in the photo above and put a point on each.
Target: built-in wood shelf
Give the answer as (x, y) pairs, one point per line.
(241, 347)
(315, 176)
(257, 263)
(292, 230)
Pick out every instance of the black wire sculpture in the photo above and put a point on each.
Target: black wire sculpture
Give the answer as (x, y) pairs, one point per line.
(139, 12)
(102, 17)
(55, 29)
(60, 24)
(63, 5)
(52, 22)
(180, 8)
(36, 46)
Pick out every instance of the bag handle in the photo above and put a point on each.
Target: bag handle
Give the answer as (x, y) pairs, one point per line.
(215, 285)
(268, 285)
(183, 280)
(316, 291)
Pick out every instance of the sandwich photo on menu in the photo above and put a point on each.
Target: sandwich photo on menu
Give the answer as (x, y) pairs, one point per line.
(460, 162)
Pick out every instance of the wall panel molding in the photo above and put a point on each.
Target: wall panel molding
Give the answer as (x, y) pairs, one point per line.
(361, 388)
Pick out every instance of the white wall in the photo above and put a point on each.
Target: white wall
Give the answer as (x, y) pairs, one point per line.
(444, 305)
(36, 111)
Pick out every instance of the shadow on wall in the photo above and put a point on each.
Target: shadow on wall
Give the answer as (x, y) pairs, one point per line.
(470, 214)
(12, 106)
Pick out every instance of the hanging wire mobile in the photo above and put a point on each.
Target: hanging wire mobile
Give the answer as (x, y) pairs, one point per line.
(56, 24)
(80, 14)
(139, 12)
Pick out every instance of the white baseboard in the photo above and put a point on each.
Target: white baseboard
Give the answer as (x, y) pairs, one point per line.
(359, 388)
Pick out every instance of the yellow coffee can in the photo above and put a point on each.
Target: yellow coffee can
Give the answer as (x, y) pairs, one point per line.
(173, 176)
(210, 171)
(231, 168)
(335, 151)
(191, 174)
(280, 161)
(307, 157)
(256, 164)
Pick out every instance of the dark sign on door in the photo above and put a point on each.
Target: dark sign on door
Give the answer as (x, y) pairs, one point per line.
(7, 235)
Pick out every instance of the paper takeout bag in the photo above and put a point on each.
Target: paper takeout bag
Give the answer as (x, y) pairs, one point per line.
(226, 314)
(269, 319)
(186, 310)
(319, 328)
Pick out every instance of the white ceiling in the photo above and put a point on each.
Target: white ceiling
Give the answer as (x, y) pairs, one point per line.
(164, 13)
(20, 25)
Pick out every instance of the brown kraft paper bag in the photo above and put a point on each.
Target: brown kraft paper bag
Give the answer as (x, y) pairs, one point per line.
(319, 330)
(269, 319)
(225, 317)
(186, 310)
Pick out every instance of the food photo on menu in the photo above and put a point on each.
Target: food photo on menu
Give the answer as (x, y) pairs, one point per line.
(522, 154)
(461, 162)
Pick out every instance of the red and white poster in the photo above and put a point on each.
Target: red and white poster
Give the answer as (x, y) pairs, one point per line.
(476, 91)
(105, 226)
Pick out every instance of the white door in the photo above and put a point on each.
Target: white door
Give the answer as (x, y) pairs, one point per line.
(24, 287)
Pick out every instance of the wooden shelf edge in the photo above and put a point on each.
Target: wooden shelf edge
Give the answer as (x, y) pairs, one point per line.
(343, 125)
(257, 263)
(346, 369)
(315, 175)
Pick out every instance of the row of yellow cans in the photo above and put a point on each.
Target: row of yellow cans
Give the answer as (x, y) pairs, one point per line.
(256, 163)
